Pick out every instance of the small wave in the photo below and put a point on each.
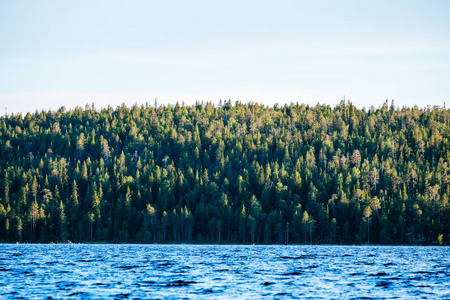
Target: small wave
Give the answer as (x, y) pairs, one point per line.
(127, 267)
(379, 274)
(394, 278)
(295, 273)
(180, 283)
(101, 284)
(224, 270)
(85, 260)
(383, 283)
(67, 285)
(425, 272)
(29, 273)
(122, 296)
(148, 282)
(83, 294)
(298, 257)
(283, 294)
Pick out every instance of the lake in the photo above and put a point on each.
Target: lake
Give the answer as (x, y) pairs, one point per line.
(223, 272)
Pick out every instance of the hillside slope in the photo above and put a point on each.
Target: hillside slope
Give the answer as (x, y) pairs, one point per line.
(236, 173)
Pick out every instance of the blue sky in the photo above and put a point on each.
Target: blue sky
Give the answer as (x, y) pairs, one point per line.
(55, 53)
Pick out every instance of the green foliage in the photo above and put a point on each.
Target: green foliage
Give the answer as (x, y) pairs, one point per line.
(242, 173)
(440, 239)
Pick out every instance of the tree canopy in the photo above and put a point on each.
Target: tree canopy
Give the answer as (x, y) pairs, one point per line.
(231, 173)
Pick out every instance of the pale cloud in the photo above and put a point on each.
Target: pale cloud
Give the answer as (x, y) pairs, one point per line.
(330, 47)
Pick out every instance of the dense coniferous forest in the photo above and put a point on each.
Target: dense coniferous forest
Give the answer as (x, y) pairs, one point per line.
(231, 173)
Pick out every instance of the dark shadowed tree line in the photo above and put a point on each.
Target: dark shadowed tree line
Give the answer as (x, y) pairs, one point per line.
(232, 173)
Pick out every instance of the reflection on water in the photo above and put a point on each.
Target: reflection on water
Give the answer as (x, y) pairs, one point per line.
(217, 271)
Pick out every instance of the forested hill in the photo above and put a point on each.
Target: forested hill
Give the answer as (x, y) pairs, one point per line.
(232, 173)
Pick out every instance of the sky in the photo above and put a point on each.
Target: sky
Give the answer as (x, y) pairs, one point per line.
(72, 53)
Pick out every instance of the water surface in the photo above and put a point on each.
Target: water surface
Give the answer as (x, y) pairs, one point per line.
(223, 272)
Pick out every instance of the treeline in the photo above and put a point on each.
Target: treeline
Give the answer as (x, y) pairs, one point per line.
(231, 173)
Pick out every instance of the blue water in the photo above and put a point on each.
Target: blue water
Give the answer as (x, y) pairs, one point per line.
(223, 272)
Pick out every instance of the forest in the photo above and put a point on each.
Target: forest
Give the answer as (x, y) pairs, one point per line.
(226, 173)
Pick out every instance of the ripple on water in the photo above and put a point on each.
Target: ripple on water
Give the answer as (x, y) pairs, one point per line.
(295, 273)
(192, 271)
(178, 283)
(379, 274)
